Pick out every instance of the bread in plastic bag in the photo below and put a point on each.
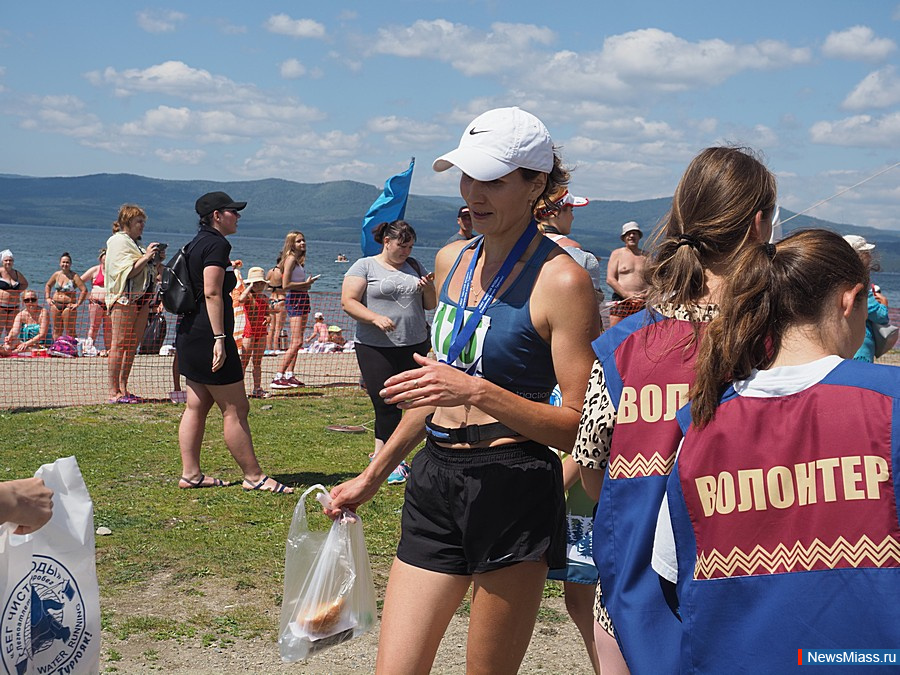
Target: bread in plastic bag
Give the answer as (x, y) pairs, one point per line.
(329, 595)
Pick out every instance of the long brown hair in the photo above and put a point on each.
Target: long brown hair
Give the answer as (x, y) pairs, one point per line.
(710, 221)
(772, 288)
(288, 249)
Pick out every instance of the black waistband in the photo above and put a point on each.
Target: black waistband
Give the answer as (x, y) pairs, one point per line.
(474, 433)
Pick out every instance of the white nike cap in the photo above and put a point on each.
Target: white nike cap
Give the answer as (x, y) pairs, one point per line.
(498, 142)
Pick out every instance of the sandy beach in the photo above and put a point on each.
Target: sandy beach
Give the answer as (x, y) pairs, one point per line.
(49, 382)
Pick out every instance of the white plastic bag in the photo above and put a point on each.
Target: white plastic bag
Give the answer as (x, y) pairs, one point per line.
(329, 595)
(49, 596)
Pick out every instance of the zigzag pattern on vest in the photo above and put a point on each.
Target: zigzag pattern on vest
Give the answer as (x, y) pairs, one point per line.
(640, 466)
(841, 554)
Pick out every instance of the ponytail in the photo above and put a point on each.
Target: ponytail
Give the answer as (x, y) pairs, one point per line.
(710, 222)
(772, 288)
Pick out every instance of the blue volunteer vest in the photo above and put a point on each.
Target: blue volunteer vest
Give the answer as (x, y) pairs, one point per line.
(784, 512)
(648, 363)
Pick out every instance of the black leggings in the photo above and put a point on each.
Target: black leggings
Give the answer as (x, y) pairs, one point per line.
(378, 364)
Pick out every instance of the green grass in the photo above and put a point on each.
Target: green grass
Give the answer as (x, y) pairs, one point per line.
(192, 538)
(174, 553)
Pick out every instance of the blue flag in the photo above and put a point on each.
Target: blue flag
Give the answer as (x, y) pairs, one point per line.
(390, 206)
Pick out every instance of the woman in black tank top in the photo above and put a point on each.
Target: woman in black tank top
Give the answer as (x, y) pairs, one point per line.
(484, 503)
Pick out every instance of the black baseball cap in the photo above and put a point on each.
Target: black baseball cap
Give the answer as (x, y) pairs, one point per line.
(216, 201)
(462, 210)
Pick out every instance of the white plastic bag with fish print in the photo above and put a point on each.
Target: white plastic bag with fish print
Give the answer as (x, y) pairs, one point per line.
(50, 621)
(329, 595)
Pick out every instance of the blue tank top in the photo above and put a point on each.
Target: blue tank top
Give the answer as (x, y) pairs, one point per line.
(505, 349)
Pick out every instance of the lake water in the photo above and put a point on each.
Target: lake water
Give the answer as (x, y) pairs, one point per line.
(37, 250)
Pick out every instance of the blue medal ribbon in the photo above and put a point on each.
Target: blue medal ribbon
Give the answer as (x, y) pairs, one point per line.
(461, 334)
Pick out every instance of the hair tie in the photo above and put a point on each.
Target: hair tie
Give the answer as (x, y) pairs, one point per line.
(770, 251)
(689, 240)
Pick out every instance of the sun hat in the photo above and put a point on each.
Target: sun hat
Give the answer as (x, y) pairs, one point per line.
(216, 201)
(859, 244)
(497, 143)
(334, 329)
(256, 274)
(630, 226)
(318, 315)
(568, 199)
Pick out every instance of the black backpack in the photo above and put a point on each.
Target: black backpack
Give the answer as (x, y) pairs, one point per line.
(176, 288)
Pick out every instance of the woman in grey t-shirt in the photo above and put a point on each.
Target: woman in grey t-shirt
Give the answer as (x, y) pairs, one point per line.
(388, 294)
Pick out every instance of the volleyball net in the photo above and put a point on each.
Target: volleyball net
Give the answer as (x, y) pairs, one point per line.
(74, 368)
(76, 371)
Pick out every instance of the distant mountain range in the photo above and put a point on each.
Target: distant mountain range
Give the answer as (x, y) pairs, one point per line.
(326, 211)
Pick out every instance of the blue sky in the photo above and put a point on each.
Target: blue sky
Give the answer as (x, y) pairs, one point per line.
(315, 92)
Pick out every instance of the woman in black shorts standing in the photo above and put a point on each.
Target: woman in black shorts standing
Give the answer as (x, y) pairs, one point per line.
(207, 353)
(484, 503)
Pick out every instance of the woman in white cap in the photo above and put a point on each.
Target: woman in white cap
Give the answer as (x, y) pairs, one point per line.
(12, 283)
(484, 504)
(877, 303)
(318, 332)
(554, 218)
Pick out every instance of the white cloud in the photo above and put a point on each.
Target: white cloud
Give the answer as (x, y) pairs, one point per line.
(291, 69)
(174, 78)
(63, 114)
(401, 131)
(632, 128)
(651, 60)
(301, 155)
(178, 156)
(629, 65)
(240, 122)
(470, 51)
(282, 24)
(160, 21)
(879, 89)
(859, 131)
(857, 44)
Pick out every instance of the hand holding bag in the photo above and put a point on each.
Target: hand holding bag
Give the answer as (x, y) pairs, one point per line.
(48, 584)
(329, 595)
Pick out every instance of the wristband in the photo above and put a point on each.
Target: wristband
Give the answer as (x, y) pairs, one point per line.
(219, 337)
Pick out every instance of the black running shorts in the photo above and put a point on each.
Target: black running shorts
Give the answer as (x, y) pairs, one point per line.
(478, 510)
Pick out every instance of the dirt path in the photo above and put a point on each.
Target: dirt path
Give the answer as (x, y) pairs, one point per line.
(556, 646)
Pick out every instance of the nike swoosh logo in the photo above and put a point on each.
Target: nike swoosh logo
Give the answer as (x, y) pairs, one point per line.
(472, 131)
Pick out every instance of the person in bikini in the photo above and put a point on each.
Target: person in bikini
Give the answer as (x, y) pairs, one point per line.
(98, 316)
(64, 292)
(12, 283)
(277, 311)
(30, 326)
(625, 275)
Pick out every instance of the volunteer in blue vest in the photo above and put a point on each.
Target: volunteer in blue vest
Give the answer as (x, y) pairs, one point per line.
(783, 498)
(484, 502)
(724, 202)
